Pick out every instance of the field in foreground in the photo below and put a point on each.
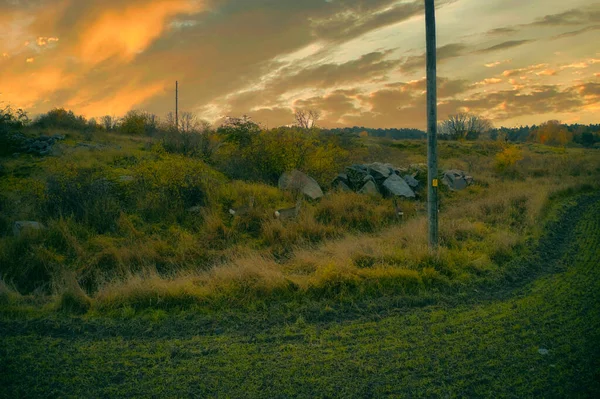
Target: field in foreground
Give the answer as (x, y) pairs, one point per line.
(535, 337)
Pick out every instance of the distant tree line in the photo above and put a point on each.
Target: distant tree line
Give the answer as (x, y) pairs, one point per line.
(390, 133)
(191, 132)
(552, 133)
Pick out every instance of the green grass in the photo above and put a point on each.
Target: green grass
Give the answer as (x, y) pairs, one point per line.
(483, 342)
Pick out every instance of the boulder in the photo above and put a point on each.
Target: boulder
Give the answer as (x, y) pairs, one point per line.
(379, 171)
(23, 226)
(299, 182)
(356, 175)
(398, 187)
(340, 177)
(456, 180)
(411, 181)
(340, 186)
(369, 188)
(195, 209)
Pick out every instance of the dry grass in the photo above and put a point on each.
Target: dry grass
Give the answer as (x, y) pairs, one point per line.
(345, 246)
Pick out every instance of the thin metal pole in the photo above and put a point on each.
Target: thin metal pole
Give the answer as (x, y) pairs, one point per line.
(177, 105)
(432, 174)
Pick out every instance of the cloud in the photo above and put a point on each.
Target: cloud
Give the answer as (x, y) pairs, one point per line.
(496, 63)
(489, 81)
(547, 72)
(526, 70)
(127, 31)
(355, 18)
(577, 32)
(590, 14)
(260, 57)
(503, 46)
(501, 31)
(414, 63)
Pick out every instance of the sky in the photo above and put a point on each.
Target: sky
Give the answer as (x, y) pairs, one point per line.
(359, 62)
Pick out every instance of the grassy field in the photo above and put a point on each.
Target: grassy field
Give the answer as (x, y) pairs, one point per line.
(143, 284)
(534, 335)
(131, 226)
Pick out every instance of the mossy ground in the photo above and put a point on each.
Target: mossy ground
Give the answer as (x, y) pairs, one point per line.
(484, 342)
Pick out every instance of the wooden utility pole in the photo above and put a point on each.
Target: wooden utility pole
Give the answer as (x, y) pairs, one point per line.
(177, 105)
(432, 173)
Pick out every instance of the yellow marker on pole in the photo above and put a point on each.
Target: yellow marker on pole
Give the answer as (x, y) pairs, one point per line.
(434, 183)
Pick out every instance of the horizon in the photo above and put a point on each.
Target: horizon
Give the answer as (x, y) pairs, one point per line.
(359, 64)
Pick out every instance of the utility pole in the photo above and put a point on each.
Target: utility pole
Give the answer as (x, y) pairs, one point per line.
(432, 173)
(177, 105)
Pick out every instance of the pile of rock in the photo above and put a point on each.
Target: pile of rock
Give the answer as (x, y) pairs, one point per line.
(378, 178)
(457, 180)
(41, 145)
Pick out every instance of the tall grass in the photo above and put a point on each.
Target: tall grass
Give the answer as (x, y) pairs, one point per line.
(164, 235)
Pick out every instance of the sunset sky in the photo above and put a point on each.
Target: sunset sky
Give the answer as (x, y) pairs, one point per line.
(360, 62)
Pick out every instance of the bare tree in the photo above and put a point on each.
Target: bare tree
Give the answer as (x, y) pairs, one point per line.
(109, 123)
(188, 122)
(464, 126)
(307, 119)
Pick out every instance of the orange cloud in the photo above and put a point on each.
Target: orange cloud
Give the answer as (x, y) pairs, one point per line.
(489, 81)
(495, 64)
(529, 69)
(127, 32)
(117, 103)
(547, 72)
(24, 90)
(42, 41)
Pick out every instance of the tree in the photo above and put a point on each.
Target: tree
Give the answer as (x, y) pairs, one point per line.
(139, 123)
(188, 123)
(109, 123)
(61, 118)
(307, 119)
(552, 133)
(239, 131)
(464, 126)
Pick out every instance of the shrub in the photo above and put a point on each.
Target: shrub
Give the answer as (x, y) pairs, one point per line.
(85, 195)
(507, 159)
(139, 123)
(11, 122)
(61, 118)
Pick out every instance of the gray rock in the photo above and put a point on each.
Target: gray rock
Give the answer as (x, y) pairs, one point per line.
(396, 186)
(341, 186)
(369, 178)
(369, 188)
(356, 175)
(22, 226)
(379, 171)
(456, 180)
(299, 182)
(411, 181)
(195, 209)
(342, 177)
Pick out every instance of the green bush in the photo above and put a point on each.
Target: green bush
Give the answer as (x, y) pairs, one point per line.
(63, 119)
(85, 195)
(139, 123)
